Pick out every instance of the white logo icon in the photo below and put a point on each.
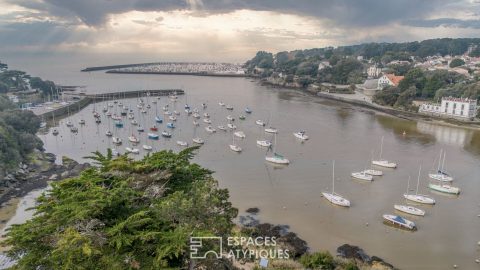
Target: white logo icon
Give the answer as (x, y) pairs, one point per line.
(201, 246)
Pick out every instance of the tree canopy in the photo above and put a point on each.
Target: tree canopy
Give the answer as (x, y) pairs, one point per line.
(125, 214)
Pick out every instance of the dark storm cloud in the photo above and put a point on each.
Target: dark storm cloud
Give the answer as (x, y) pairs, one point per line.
(342, 12)
(445, 22)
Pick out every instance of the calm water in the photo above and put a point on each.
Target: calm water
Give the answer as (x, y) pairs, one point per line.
(447, 235)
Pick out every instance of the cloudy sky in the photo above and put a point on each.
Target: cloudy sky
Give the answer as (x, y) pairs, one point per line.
(221, 30)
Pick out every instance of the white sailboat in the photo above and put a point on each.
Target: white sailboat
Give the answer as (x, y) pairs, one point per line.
(277, 158)
(198, 140)
(235, 147)
(240, 134)
(271, 130)
(419, 198)
(372, 171)
(147, 147)
(441, 174)
(334, 197)
(382, 162)
(231, 126)
(408, 208)
(260, 123)
(362, 176)
(182, 143)
(210, 129)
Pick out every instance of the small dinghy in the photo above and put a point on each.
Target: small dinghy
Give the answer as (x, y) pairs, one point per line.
(231, 126)
(229, 107)
(158, 119)
(222, 128)
(247, 110)
(198, 140)
(109, 133)
(230, 118)
(147, 147)
(208, 121)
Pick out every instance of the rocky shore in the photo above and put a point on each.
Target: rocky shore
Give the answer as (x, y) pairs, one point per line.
(35, 173)
(289, 240)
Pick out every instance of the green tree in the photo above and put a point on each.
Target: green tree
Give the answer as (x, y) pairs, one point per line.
(457, 62)
(126, 214)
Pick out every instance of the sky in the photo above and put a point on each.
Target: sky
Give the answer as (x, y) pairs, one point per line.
(127, 31)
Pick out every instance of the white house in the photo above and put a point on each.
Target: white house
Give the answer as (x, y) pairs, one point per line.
(389, 79)
(452, 107)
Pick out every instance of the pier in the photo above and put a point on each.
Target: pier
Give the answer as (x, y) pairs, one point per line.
(81, 100)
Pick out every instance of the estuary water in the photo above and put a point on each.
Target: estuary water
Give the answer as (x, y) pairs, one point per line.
(291, 195)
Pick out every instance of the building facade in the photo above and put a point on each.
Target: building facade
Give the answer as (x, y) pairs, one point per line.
(389, 80)
(452, 107)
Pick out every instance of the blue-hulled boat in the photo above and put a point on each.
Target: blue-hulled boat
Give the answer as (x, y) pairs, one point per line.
(153, 136)
(170, 125)
(118, 124)
(158, 119)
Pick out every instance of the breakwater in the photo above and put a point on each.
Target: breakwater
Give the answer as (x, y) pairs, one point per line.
(85, 99)
(212, 74)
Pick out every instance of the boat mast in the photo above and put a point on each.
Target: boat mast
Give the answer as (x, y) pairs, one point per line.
(333, 177)
(381, 148)
(439, 160)
(443, 162)
(418, 179)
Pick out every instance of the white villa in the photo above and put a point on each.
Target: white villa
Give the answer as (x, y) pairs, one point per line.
(452, 107)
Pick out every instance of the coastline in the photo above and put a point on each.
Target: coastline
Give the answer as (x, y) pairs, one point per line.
(412, 116)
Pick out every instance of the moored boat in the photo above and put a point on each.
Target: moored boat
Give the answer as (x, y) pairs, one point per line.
(445, 188)
(400, 221)
(409, 210)
(362, 176)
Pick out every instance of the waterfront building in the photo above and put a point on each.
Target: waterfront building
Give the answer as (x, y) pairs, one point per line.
(451, 107)
(389, 80)
(374, 71)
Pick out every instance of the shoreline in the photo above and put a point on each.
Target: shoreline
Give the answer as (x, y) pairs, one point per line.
(412, 116)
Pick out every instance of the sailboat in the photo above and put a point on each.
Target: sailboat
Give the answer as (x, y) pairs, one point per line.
(133, 139)
(260, 123)
(231, 126)
(418, 197)
(147, 147)
(334, 197)
(445, 188)
(182, 143)
(277, 158)
(239, 134)
(271, 130)
(210, 129)
(372, 171)
(382, 162)
(221, 127)
(230, 118)
(407, 208)
(235, 147)
(55, 130)
(116, 140)
(108, 133)
(441, 175)
(362, 176)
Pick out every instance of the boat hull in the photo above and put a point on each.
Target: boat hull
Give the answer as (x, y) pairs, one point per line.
(445, 188)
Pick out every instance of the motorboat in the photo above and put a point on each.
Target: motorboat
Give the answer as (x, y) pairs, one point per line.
(301, 135)
(248, 110)
(400, 221)
(166, 134)
(153, 136)
(210, 129)
(170, 125)
(81, 121)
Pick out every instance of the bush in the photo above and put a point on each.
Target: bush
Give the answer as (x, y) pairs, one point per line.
(323, 260)
(457, 62)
